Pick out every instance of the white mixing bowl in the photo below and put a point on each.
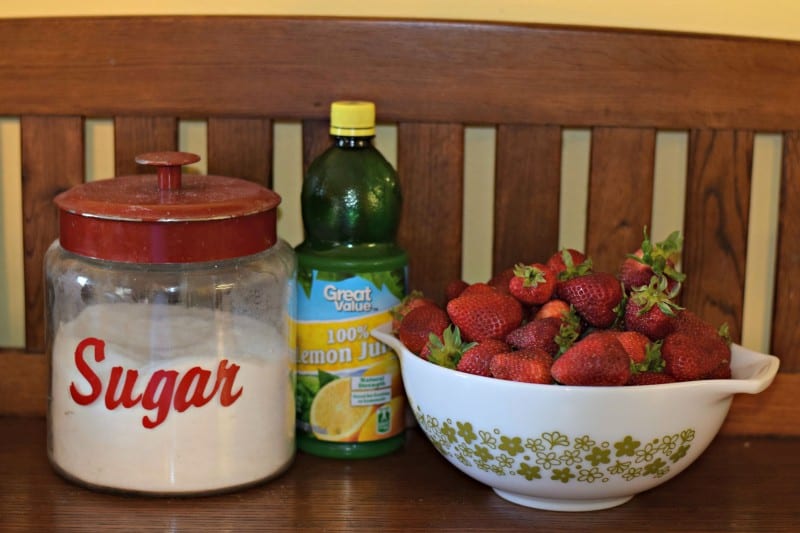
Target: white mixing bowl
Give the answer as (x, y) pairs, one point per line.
(571, 448)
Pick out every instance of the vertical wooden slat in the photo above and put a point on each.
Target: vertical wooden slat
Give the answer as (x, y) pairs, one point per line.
(785, 333)
(430, 162)
(620, 193)
(52, 162)
(715, 227)
(316, 138)
(241, 148)
(138, 135)
(527, 190)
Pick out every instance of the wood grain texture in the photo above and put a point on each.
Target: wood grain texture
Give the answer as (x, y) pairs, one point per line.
(290, 68)
(527, 193)
(620, 193)
(739, 484)
(316, 139)
(241, 148)
(134, 135)
(52, 162)
(715, 227)
(430, 166)
(785, 333)
(24, 384)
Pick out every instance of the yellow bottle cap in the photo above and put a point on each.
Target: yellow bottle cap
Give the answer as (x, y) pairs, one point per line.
(353, 119)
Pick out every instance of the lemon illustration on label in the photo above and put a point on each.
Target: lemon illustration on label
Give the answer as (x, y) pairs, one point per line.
(332, 416)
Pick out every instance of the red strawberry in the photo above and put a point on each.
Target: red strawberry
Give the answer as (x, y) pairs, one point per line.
(485, 314)
(529, 366)
(556, 308)
(454, 289)
(418, 324)
(645, 355)
(651, 260)
(425, 352)
(539, 333)
(723, 371)
(532, 284)
(650, 378)
(567, 259)
(412, 300)
(597, 359)
(551, 334)
(688, 357)
(477, 287)
(689, 322)
(595, 296)
(446, 349)
(650, 309)
(500, 280)
(635, 345)
(476, 360)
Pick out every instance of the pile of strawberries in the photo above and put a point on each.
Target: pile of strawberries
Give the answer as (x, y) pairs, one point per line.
(562, 322)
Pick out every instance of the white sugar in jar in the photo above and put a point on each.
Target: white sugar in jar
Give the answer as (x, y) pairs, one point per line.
(171, 348)
(219, 412)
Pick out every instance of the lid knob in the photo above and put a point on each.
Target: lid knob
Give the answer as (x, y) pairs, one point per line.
(168, 167)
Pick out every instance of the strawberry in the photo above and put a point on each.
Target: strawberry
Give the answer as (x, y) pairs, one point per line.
(645, 357)
(418, 324)
(568, 259)
(539, 333)
(689, 322)
(412, 300)
(530, 366)
(595, 296)
(650, 378)
(485, 314)
(555, 307)
(426, 351)
(650, 309)
(447, 349)
(651, 260)
(598, 359)
(635, 345)
(552, 334)
(723, 371)
(688, 357)
(476, 359)
(500, 280)
(477, 287)
(532, 284)
(454, 289)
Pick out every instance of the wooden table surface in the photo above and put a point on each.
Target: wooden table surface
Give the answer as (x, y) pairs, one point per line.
(739, 484)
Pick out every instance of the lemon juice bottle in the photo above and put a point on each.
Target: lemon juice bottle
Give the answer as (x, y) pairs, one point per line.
(351, 273)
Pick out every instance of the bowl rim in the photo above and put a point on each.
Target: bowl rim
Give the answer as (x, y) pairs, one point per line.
(752, 373)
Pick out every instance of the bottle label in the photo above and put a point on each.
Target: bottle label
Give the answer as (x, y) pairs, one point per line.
(348, 383)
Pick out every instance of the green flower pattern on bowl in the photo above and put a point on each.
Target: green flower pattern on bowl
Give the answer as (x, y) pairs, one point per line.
(555, 455)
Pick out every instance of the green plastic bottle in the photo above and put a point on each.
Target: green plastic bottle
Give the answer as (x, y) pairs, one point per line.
(351, 273)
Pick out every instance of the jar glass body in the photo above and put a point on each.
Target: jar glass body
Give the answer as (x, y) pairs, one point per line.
(171, 378)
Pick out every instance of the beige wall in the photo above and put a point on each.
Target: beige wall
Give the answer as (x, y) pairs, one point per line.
(769, 18)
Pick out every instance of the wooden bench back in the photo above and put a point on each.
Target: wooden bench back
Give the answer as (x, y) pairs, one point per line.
(432, 79)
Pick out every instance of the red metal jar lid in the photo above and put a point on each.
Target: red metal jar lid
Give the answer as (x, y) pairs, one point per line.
(167, 217)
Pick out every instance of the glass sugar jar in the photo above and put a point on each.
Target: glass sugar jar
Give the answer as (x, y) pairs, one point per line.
(169, 299)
